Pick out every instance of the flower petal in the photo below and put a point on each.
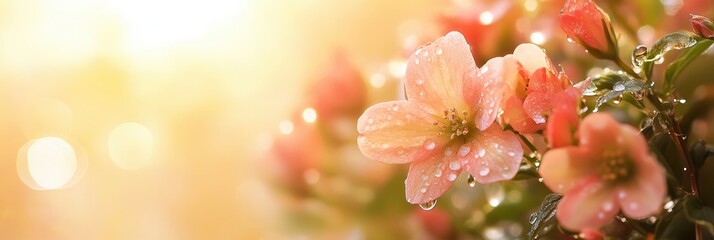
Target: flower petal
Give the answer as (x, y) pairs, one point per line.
(436, 74)
(644, 196)
(492, 155)
(589, 206)
(398, 132)
(563, 169)
(538, 105)
(599, 131)
(429, 178)
(515, 115)
(488, 88)
(532, 57)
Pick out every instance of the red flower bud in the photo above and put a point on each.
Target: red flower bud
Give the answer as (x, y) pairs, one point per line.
(586, 23)
(703, 26)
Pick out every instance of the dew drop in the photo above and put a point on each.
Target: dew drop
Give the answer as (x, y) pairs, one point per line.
(452, 177)
(634, 205)
(424, 177)
(395, 107)
(437, 172)
(471, 181)
(618, 87)
(484, 69)
(416, 61)
(481, 152)
(429, 144)
(385, 146)
(439, 51)
(540, 179)
(428, 205)
(455, 165)
(421, 93)
(534, 216)
(419, 82)
(607, 206)
(659, 60)
(511, 153)
(601, 215)
(638, 57)
(464, 150)
(422, 190)
(484, 171)
(370, 120)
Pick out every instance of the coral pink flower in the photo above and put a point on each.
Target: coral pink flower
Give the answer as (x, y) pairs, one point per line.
(446, 125)
(582, 21)
(533, 83)
(339, 91)
(703, 26)
(611, 170)
(563, 121)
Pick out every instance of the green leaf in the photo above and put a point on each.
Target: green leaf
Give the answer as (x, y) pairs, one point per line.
(689, 55)
(699, 214)
(614, 84)
(540, 219)
(675, 40)
(674, 225)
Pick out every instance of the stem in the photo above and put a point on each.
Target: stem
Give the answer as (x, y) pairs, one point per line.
(625, 67)
(527, 142)
(674, 133)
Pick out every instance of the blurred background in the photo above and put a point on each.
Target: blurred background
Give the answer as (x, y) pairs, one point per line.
(235, 119)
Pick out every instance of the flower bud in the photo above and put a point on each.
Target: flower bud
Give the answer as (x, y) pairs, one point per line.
(584, 22)
(703, 26)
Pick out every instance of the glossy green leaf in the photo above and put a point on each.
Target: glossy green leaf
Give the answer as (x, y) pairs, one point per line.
(699, 214)
(540, 220)
(612, 85)
(689, 55)
(672, 41)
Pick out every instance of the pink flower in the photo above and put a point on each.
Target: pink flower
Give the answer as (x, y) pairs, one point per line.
(533, 82)
(446, 125)
(582, 21)
(563, 122)
(703, 26)
(611, 170)
(339, 91)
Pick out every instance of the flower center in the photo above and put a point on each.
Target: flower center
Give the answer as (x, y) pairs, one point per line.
(453, 124)
(616, 166)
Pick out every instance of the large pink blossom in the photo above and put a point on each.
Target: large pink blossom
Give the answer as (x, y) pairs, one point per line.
(610, 170)
(533, 83)
(447, 123)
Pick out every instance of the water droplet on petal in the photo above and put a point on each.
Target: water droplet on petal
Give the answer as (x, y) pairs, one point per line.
(419, 82)
(370, 120)
(481, 152)
(416, 61)
(464, 150)
(484, 69)
(540, 179)
(484, 171)
(633, 205)
(429, 144)
(511, 153)
(471, 181)
(437, 172)
(395, 107)
(422, 190)
(428, 205)
(385, 146)
(607, 206)
(455, 165)
(601, 215)
(452, 177)
(439, 51)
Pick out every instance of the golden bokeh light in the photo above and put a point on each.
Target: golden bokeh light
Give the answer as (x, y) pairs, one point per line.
(51, 163)
(131, 146)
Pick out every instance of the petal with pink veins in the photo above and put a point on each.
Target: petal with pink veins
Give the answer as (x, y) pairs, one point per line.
(436, 74)
(486, 92)
(398, 132)
(492, 155)
(591, 205)
(429, 178)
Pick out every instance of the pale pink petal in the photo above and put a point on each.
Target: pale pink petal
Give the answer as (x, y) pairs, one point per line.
(436, 74)
(489, 88)
(643, 196)
(515, 115)
(589, 206)
(429, 178)
(599, 131)
(532, 57)
(538, 105)
(398, 132)
(564, 168)
(492, 155)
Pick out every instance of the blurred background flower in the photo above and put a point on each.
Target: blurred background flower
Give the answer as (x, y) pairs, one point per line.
(219, 119)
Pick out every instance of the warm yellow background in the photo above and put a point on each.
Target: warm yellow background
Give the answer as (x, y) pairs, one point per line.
(203, 77)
